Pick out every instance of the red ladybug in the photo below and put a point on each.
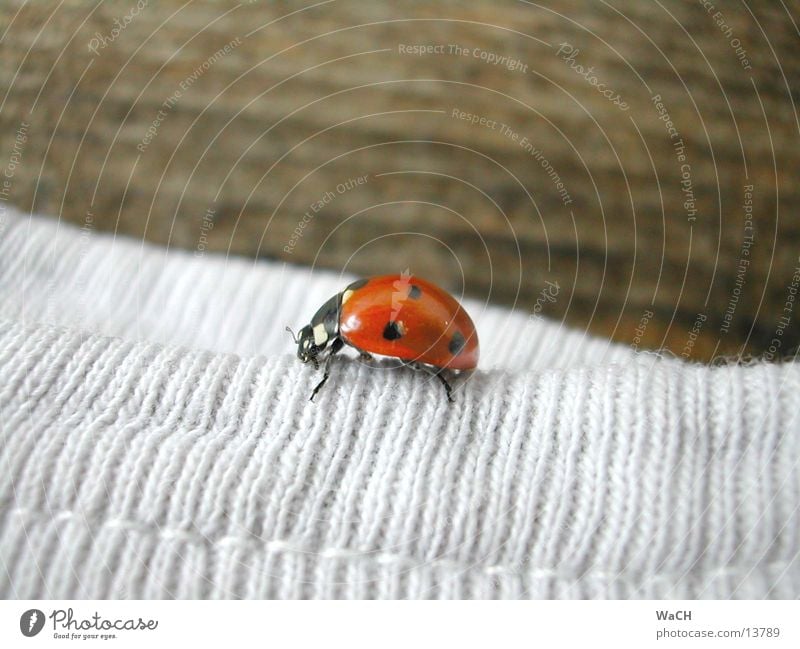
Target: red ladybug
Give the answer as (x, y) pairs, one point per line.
(392, 315)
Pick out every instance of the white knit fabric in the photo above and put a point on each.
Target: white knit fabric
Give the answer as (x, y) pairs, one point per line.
(157, 441)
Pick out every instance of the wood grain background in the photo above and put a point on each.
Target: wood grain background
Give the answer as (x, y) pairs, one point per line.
(218, 126)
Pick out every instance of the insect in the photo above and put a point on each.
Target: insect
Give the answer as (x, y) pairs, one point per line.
(401, 316)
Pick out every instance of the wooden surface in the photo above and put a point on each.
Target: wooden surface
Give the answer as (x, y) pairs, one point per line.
(245, 141)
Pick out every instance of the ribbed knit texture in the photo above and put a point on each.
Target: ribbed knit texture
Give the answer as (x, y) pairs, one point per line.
(157, 441)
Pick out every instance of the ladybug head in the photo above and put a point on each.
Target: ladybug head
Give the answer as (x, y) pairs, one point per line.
(307, 350)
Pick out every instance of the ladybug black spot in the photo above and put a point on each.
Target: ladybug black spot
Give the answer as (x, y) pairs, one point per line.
(414, 292)
(457, 343)
(391, 331)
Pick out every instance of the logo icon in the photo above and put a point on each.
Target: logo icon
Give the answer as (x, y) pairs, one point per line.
(31, 622)
(402, 287)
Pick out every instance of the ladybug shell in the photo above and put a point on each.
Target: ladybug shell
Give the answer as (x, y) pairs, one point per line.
(408, 318)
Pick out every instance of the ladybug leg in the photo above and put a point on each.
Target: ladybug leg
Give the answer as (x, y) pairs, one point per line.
(365, 357)
(446, 385)
(437, 372)
(336, 345)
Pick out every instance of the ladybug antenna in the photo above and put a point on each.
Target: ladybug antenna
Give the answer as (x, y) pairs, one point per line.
(292, 333)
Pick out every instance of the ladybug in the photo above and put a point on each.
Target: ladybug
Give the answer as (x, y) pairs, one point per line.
(392, 315)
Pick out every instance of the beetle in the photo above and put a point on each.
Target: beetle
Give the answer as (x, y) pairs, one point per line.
(399, 315)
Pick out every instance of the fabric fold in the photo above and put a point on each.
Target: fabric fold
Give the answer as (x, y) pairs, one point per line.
(145, 460)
